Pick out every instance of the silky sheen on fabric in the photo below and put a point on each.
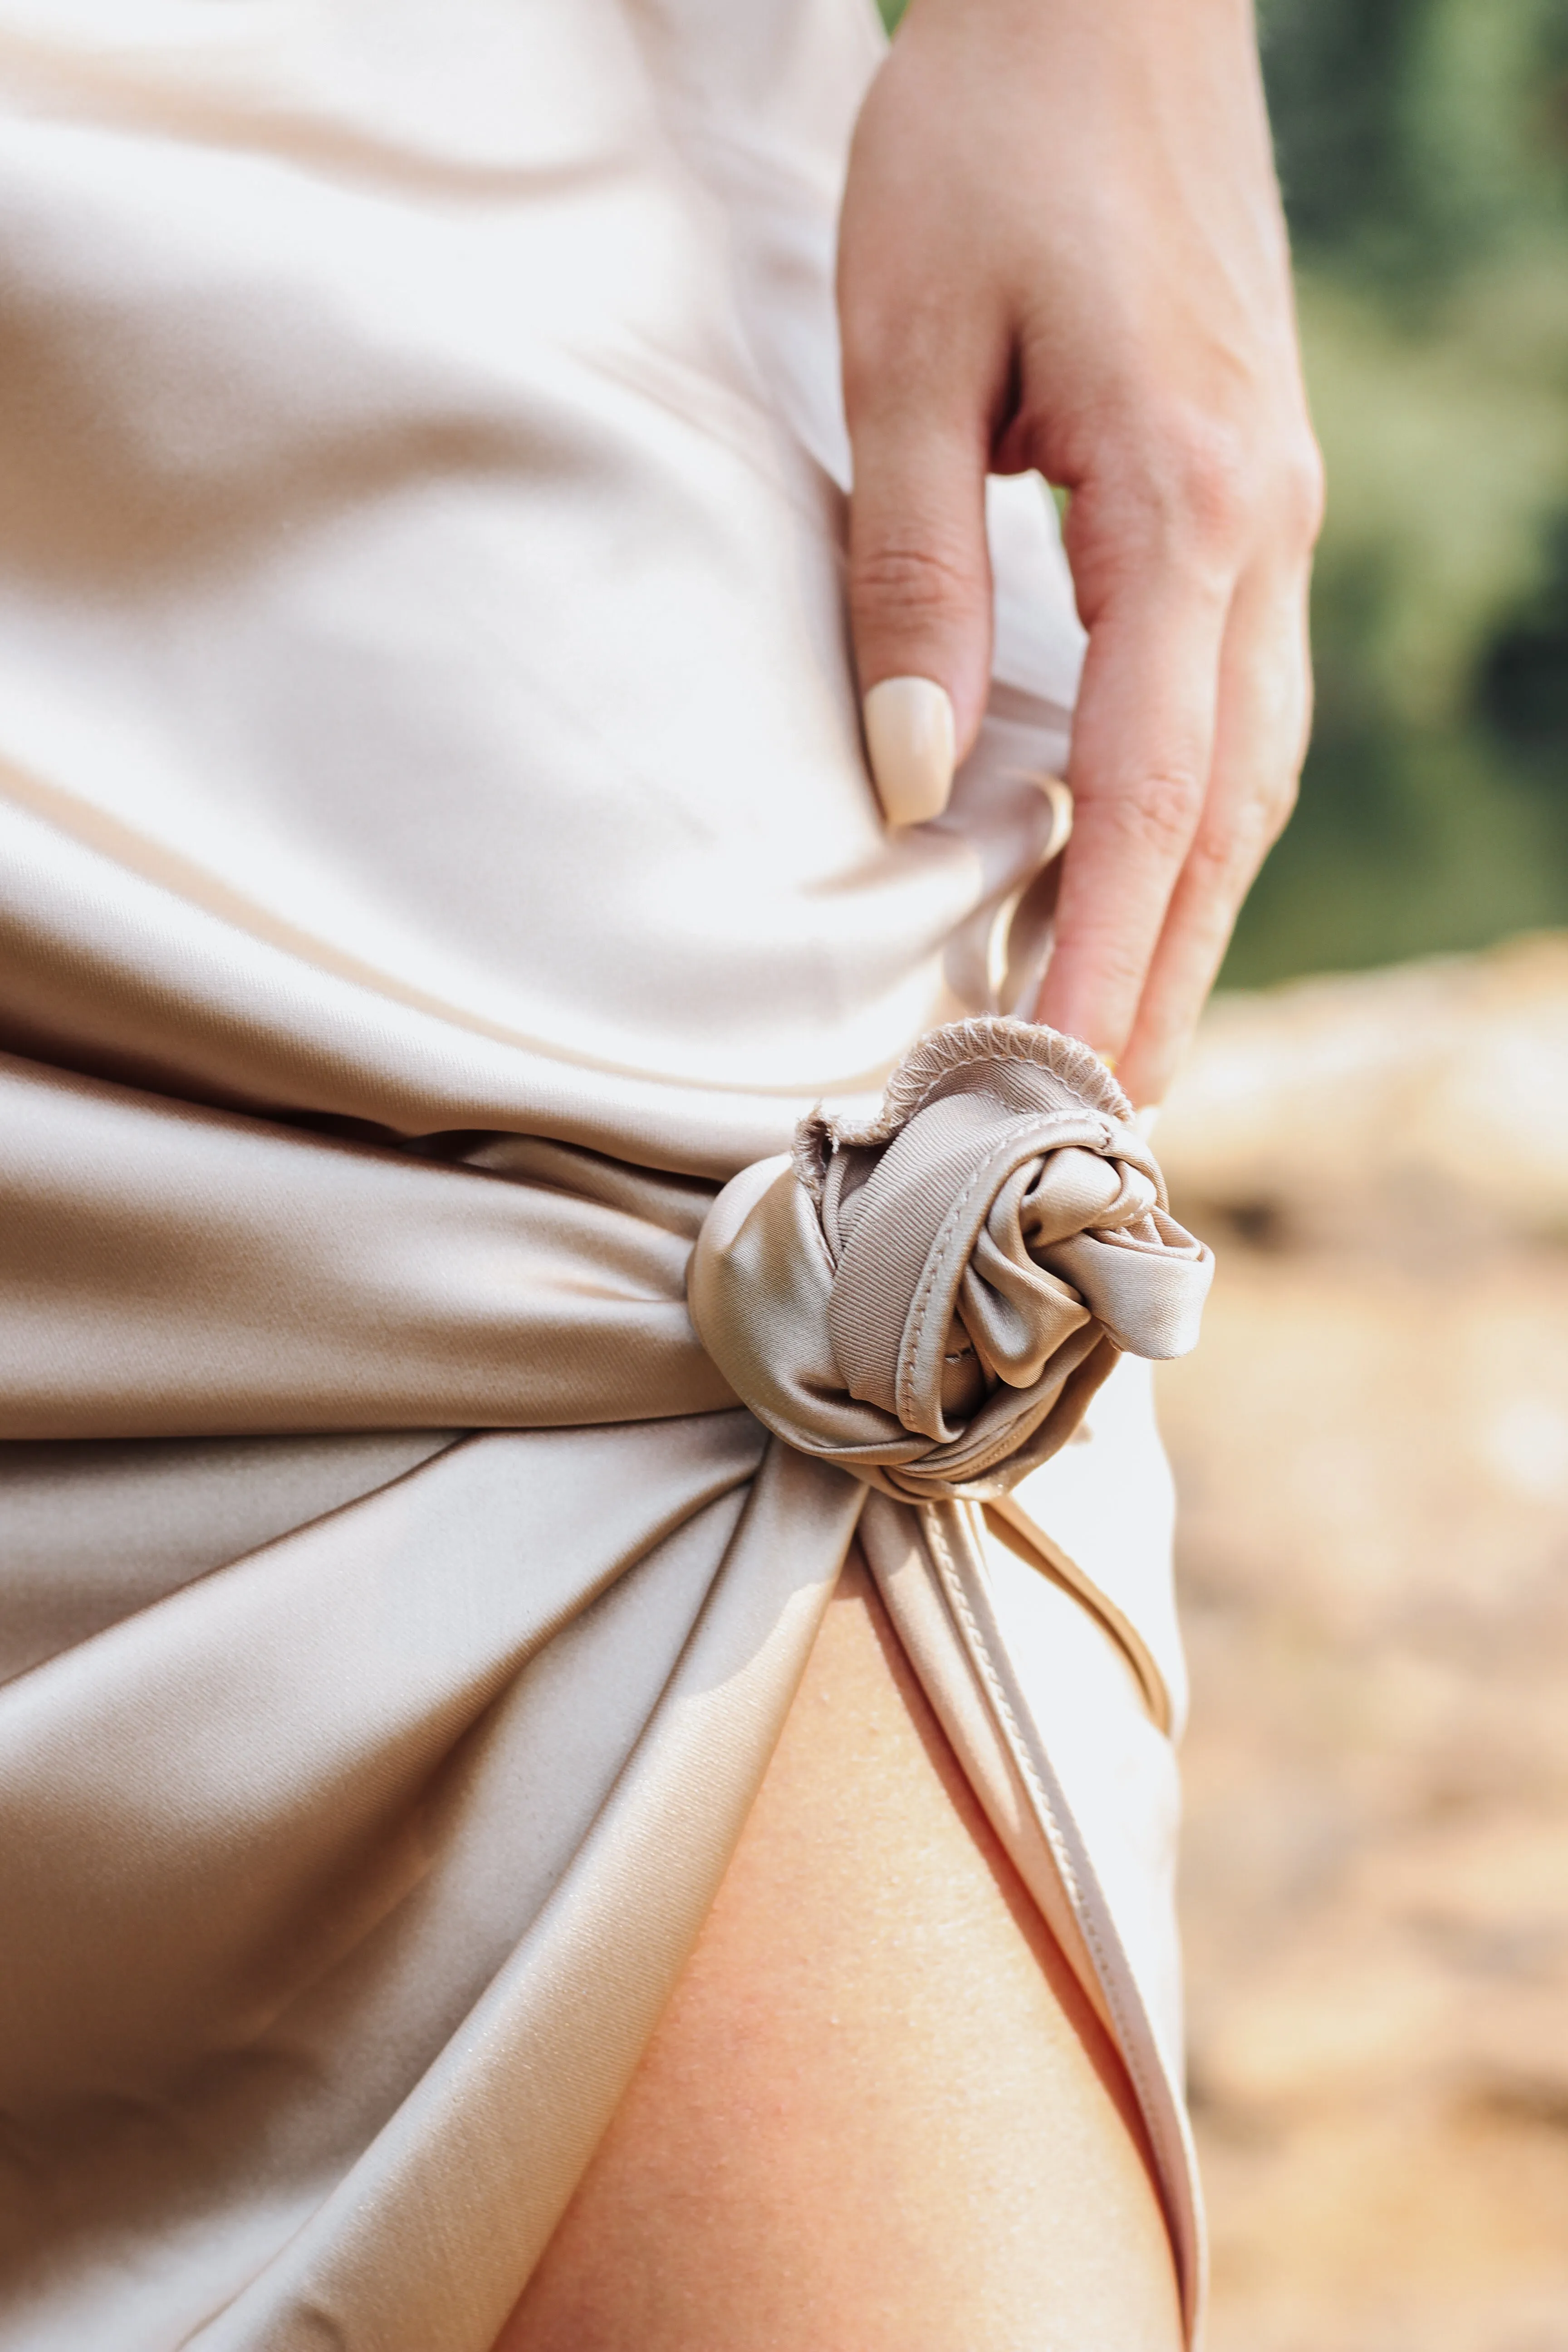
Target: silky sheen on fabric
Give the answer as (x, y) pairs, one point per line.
(896, 1298)
(436, 858)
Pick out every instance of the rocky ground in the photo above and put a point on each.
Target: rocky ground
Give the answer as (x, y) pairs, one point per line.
(1373, 1449)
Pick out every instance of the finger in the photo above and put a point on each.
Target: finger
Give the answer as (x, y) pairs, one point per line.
(1143, 741)
(920, 585)
(1265, 708)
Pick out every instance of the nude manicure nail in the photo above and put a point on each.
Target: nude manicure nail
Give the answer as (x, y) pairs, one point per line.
(910, 738)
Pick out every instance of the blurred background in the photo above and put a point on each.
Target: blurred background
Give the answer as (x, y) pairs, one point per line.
(1423, 151)
(1372, 1444)
(1371, 1447)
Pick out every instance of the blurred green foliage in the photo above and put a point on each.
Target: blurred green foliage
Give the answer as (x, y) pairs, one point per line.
(1424, 153)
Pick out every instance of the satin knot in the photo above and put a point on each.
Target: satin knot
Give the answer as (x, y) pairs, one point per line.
(930, 1298)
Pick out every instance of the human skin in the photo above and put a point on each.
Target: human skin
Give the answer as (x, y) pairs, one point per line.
(1062, 248)
(879, 2114)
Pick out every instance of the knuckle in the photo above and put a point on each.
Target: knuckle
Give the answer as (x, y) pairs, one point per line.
(1118, 963)
(1214, 483)
(1276, 804)
(1159, 818)
(1223, 861)
(916, 581)
(1304, 490)
(1213, 480)
(1228, 855)
(901, 359)
(885, 354)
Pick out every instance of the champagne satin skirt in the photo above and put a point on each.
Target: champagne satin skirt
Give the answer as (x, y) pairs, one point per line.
(480, 1234)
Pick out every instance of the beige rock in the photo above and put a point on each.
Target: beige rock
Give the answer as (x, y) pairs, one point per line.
(1384, 1105)
(1371, 1444)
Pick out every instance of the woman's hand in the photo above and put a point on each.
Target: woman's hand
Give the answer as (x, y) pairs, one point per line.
(1062, 248)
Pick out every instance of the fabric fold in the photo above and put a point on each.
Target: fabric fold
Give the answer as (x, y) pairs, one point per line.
(932, 1299)
(246, 1766)
(436, 855)
(175, 1271)
(180, 1269)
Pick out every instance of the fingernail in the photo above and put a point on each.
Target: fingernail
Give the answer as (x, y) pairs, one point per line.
(910, 738)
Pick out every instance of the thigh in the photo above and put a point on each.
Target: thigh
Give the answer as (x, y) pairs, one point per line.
(879, 2114)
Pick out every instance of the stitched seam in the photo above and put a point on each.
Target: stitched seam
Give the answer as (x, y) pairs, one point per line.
(992, 1038)
(919, 1305)
(959, 1601)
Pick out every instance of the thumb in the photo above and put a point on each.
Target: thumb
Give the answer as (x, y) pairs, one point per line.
(920, 601)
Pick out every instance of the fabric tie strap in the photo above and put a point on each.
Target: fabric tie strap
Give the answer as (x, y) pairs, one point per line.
(930, 1301)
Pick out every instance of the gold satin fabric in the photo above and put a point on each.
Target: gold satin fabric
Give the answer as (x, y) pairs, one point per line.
(932, 1300)
(175, 1271)
(436, 857)
(399, 1771)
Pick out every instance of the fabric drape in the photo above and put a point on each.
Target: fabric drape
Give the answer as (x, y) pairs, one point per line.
(444, 914)
(249, 1771)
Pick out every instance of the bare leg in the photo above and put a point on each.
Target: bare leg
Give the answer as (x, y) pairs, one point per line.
(879, 2114)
